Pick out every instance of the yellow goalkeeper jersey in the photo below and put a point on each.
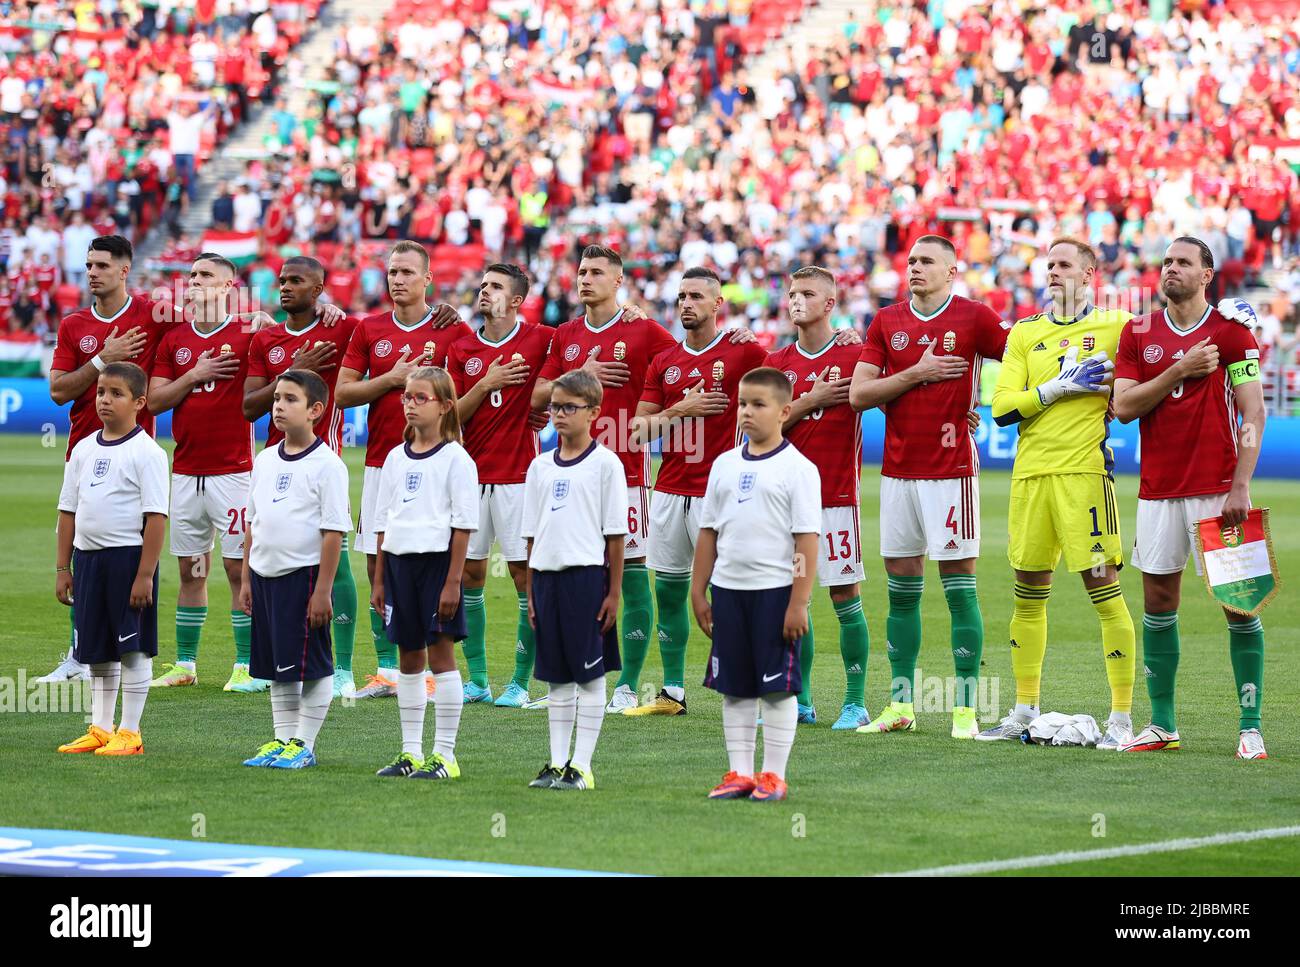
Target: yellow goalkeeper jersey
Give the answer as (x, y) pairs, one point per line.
(1070, 435)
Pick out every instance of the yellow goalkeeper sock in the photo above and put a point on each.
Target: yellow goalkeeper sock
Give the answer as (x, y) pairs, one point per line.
(1118, 643)
(1029, 640)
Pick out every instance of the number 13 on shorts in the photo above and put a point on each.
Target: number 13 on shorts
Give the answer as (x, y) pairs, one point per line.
(840, 559)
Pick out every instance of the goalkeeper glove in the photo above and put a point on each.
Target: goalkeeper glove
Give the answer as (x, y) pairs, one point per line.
(1077, 377)
(1238, 310)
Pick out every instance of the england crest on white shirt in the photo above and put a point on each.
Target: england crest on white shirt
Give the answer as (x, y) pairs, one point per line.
(101, 468)
(561, 489)
(282, 482)
(747, 481)
(413, 481)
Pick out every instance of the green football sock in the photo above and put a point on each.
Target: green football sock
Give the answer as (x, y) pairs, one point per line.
(636, 622)
(673, 624)
(242, 626)
(385, 650)
(806, 650)
(474, 645)
(967, 635)
(1246, 645)
(344, 594)
(1160, 661)
(189, 628)
(854, 644)
(525, 645)
(903, 633)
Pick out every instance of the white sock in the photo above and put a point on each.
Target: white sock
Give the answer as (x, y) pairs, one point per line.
(740, 729)
(591, 713)
(1121, 718)
(1026, 713)
(779, 718)
(410, 705)
(675, 692)
(316, 698)
(560, 712)
(137, 671)
(189, 666)
(286, 709)
(105, 677)
(448, 703)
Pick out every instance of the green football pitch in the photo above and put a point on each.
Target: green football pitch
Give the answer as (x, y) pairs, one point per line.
(857, 805)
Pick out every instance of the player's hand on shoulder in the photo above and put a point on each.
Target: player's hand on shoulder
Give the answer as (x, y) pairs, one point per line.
(259, 320)
(141, 592)
(1201, 360)
(1238, 310)
(848, 337)
(609, 373)
(633, 312)
(739, 335)
(126, 346)
(329, 314)
(444, 315)
(933, 368)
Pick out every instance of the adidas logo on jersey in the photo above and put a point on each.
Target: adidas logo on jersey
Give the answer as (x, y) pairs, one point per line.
(924, 341)
(1178, 355)
(694, 373)
(847, 569)
(405, 349)
(1116, 654)
(631, 542)
(1098, 549)
(854, 669)
(1038, 348)
(810, 378)
(951, 545)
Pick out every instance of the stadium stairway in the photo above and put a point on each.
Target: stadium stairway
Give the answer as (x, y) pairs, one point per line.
(821, 23)
(245, 142)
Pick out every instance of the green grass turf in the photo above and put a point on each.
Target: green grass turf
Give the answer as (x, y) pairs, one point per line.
(857, 804)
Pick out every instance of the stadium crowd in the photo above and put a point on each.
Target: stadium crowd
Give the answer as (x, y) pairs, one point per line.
(107, 111)
(526, 130)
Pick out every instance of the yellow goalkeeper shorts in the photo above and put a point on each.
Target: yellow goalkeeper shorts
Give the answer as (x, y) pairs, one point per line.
(1071, 512)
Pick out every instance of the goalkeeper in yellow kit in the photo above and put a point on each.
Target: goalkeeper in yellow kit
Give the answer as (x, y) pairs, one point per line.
(1055, 383)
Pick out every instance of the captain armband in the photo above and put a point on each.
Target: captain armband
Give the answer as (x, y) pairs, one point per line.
(1245, 371)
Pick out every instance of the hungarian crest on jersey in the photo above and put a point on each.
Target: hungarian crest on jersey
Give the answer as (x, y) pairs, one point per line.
(101, 468)
(413, 481)
(282, 482)
(1089, 342)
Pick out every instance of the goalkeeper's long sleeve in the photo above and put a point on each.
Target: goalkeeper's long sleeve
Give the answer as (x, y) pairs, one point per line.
(1013, 401)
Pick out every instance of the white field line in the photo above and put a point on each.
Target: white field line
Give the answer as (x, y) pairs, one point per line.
(1090, 855)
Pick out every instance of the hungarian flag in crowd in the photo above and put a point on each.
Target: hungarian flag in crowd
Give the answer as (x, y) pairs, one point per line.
(240, 247)
(20, 355)
(1237, 561)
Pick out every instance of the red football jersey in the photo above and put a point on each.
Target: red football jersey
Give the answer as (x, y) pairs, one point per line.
(498, 436)
(81, 336)
(212, 437)
(1189, 440)
(377, 343)
(687, 458)
(273, 351)
(922, 424)
(635, 343)
(830, 438)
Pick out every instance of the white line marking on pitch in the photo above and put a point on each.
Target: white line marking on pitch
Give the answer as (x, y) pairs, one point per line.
(1089, 855)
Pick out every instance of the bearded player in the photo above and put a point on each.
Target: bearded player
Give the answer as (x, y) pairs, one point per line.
(826, 430)
(494, 371)
(1186, 374)
(689, 401)
(304, 343)
(1055, 382)
(921, 365)
(386, 347)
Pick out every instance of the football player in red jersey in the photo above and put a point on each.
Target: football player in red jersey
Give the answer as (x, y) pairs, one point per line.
(921, 364)
(494, 371)
(199, 372)
(689, 400)
(302, 343)
(386, 348)
(1187, 374)
(828, 431)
